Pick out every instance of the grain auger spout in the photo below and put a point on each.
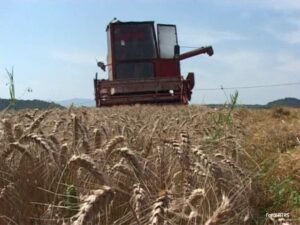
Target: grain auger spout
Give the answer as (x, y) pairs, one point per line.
(208, 50)
(143, 65)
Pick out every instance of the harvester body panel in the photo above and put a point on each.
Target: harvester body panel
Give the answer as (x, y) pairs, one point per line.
(143, 67)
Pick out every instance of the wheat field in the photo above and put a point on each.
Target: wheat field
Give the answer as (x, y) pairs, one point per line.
(154, 165)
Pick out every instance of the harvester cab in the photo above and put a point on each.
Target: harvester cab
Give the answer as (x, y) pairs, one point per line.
(143, 66)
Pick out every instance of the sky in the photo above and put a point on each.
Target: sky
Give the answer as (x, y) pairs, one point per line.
(53, 45)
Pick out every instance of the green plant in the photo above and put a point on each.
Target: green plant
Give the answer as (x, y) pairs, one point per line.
(11, 86)
(283, 192)
(224, 118)
(295, 198)
(71, 200)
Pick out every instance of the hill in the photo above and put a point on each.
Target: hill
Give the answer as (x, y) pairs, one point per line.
(290, 102)
(29, 104)
(286, 102)
(77, 102)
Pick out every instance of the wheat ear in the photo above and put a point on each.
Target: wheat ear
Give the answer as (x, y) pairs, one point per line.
(138, 199)
(191, 200)
(122, 168)
(182, 150)
(159, 209)
(131, 157)
(92, 204)
(221, 213)
(112, 144)
(237, 169)
(35, 124)
(208, 164)
(41, 141)
(87, 163)
(56, 126)
(196, 194)
(231, 164)
(185, 140)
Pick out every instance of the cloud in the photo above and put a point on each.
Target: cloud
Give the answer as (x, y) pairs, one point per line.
(243, 58)
(259, 63)
(288, 63)
(285, 28)
(247, 67)
(76, 57)
(292, 37)
(207, 37)
(269, 4)
(252, 67)
(283, 4)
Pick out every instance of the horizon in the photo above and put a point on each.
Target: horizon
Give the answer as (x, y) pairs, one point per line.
(89, 102)
(53, 45)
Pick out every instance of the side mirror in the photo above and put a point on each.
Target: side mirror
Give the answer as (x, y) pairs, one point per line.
(101, 65)
(176, 51)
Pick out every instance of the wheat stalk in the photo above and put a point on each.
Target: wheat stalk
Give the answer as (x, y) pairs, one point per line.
(97, 139)
(63, 154)
(21, 148)
(9, 197)
(8, 132)
(85, 146)
(75, 130)
(18, 131)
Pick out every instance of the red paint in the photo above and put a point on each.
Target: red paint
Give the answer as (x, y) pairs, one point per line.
(130, 36)
(167, 68)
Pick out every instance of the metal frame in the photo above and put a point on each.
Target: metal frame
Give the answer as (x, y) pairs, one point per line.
(136, 91)
(167, 25)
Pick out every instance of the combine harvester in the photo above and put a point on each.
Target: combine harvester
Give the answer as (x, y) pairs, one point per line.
(144, 66)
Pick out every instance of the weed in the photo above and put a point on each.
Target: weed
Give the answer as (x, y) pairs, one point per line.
(224, 118)
(11, 86)
(71, 200)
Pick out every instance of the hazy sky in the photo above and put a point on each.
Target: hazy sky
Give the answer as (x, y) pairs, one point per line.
(53, 45)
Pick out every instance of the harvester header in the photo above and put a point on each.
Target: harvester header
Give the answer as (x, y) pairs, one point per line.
(143, 66)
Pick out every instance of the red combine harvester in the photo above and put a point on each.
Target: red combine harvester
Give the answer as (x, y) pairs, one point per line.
(144, 66)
